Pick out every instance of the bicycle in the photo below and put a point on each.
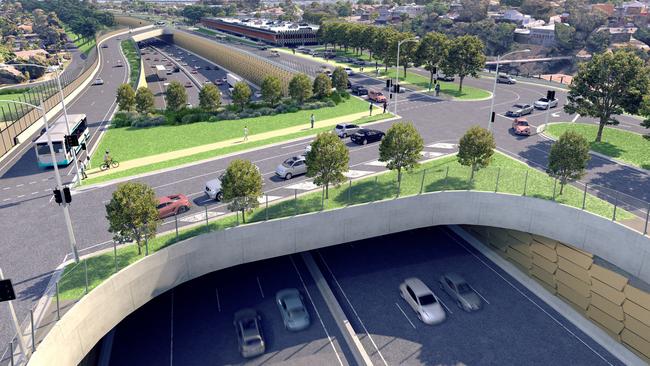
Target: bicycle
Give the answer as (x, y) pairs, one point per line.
(110, 164)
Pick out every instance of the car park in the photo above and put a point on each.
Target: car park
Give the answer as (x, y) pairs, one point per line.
(291, 167)
(364, 136)
(98, 81)
(376, 96)
(545, 103)
(422, 300)
(520, 126)
(359, 90)
(519, 110)
(506, 79)
(460, 291)
(292, 309)
(172, 205)
(213, 189)
(344, 130)
(248, 328)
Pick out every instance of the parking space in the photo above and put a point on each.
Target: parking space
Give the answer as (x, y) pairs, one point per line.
(194, 322)
(513, 327)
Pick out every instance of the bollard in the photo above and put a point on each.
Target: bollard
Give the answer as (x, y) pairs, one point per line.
(31, 321)
(615, 205)
(266, 208)
(554, 187)
(550, 78)
(115, 254)
(584, 197)
(206, 219)
(422, 183)
(350, 192)
(86, 272)
(561, 79)
(176, 223)
(647, 216)
(496, 186)
(525, 183)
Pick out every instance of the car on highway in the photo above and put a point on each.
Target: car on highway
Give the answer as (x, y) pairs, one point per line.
(545, 103)
(156, 59)
(506, 79)
(248, 326)
(98, 81)
(194, 72)
(422, 300)
(293, 310)
(207, 68)
(344, 130)
(172, 205)
(458, 289)
(119, 63)
(183, 63)
(365, 135)
(376, 96)
(520, 126)
(291, 167)
(104, 45)
(213, 189)
(359, 90)
(443, 77)
(349, 71)
(519, 110)
(188, 84)
(275, 53)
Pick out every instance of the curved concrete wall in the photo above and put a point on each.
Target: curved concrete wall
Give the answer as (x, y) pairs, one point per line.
(103, 308)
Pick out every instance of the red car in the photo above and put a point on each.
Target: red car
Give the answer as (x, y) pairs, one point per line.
(172, 205)
(520, 127)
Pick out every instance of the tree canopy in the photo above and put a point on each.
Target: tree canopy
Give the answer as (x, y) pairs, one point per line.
(241, 94)
(568, 158)
(125, 98)
(144, 100)
(132, 213)
(242, 186)
(322, 86)
(327, 160)
(300, 88)
(210, 97)
(401, 148)
(271, 90)
(465, 58)
(476, 148)
(175, 96)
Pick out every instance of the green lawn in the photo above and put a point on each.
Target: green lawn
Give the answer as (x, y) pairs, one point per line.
(349, 53)
(9, 110)
(626, 146)
(219, 152)
(129, 49)
(441, 174)
(84, 45)
(131, 143)
(449, 88)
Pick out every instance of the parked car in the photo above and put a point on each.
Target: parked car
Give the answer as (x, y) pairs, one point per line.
(291, 167)
(444, 77)
(459, 290)
(520, 127)
(248, 326)
(172, 205)
(519, 110)
(349, 71)
(344, 130)
(422, 300)
(506, 79)
(376, 96)
(544, 103)
(364, 136)
(98, 81)
(292, 308)
(359, 90)
(213, 189)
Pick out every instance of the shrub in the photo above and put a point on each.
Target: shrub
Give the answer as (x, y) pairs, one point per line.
(149, 121)
(124, 119)
(336, 98)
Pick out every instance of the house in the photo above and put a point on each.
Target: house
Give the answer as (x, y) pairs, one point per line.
(621, 34)
(25, 28)
(542, 35)
(606, 8)
(412, 10)
(26, 55)
(512, 15)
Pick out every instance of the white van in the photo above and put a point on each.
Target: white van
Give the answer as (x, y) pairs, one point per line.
(213, 189)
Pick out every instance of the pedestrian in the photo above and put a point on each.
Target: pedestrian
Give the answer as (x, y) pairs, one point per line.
(245, 133)
(437, 89)
(87, 165)
(385, 106)
(370, 108)
(313, 119)
(361, 68)
(82, 170)
(293, 50)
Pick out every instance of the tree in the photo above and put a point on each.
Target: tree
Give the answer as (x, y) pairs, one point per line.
(144, 100)
(271, 90)
(242, 186)
(465, 58)
(340, 79)
(125, 97)
(568, 158)
(431, 51)
(476, 148)
(300, 88)
(473, 10)
(241, 94)
(565, 37)
(598, 41)
(327, 160)
(538, 9)
(609, 84)
(209, 97)
(132, 213)
(322, 86)
(401, 148)
(175, 96)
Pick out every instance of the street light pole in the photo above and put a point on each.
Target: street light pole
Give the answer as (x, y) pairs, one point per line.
(494, 87)
(399, 43)
(14, 318)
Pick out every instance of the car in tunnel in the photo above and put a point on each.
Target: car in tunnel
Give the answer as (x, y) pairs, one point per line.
(248, 327)
(292, 309)
(459, 290)
(422, 300)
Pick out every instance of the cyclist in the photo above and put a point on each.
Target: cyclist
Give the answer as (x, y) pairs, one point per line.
(108, 159)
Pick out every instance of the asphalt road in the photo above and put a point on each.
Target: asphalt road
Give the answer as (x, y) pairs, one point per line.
(514, 326)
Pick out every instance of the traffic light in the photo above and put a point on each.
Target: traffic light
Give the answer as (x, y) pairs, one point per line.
(72, 140)
(492, 117)
(57, 196)
(7, 291)
(388, 83)
(67, 195)
(550, 94)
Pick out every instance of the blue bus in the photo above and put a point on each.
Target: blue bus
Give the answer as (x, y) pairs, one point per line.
(62, 152)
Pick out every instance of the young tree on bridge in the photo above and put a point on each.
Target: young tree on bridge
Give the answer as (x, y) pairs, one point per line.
(241, 95)
(327, 160)
(476, 148)
(125, 98)
(132, 213)
(175, 96)
(144, 100)
(242, 186)
(300, 88)
(209, 98)
(401, 148)
(271, 90)
(568, 158)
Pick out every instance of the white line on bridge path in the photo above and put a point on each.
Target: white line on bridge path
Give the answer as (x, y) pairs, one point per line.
(442, 145)
(431, 154)
(356, 173)
(407, 318)
(260, 286)
(303, 186)
(262, 199)
(216, 290)
(376, 163)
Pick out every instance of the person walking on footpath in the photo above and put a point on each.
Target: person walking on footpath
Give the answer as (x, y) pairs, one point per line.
(370, 108)
(313, 119)
(82, 170)
(437, 89)
(385, 106)
(87, 165)
(245, 133)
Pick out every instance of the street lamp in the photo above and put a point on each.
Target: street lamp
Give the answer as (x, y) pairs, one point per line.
(414, 39)
(66, 212)
(65, 111)
(494, 88)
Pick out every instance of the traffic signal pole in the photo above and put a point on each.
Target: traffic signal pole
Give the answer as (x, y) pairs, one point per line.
(67, 125)
(14, 318)
(59, 186)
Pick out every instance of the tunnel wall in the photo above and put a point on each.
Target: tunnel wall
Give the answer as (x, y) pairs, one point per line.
(124, 292)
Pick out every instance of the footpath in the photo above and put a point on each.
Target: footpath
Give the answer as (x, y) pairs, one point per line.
(152, 159)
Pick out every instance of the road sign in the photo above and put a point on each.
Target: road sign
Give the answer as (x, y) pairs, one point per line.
(7, 291)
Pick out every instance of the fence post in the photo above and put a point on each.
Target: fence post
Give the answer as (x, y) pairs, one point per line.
(295, 201)
(206, 219)
(349, 191)
(31, 321)
(266, 208)
(615, 205)
(554, 187)
(526, 182)
(444, 184)
(422, 183)
(86, 273)
(496, 186)
(176, 223)
(58, 308)
(584, 197)
(647, 216)
(115, 254)
(322, 199)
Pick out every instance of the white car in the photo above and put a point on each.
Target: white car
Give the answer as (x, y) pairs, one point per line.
(292, 167)
(349, 71)
(422, 300)
(98, 81)
(544, 103)
(344, 130)
(213, 189)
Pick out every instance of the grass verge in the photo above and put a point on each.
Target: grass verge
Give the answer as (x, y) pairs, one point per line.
(133, 58)
(10, 111)
(626, 146)
(421, 83)
(219, 152)
(83, 44)
(441, 174)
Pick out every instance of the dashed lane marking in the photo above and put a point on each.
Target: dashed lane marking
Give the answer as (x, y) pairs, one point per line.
(442, 145)
(198, 217)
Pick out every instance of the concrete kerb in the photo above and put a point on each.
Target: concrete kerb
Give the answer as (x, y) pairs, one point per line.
(592, 330)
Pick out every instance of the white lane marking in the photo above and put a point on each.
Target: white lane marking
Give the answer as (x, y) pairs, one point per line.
(445, 305)
(45, 179)
(262, 200)
(353, 309)
(430, 154)
(6, 199)
(442, 145)
(376, 163)
(303, 186)
(5, 188)
(19, 185)
(527, 298)
(555, 114)
(35, 192)
(171, 336)
(479, 294)
(356, 173)
(260, 286)
(575, 118)
(200, 216)
(407, 318)
(216, 290)
(299, 144)
(21, 196)
(304, 286)
(32, 182)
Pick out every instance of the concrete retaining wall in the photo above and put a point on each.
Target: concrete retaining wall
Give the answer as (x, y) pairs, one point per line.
(104, 307)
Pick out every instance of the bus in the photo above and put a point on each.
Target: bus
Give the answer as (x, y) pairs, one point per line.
(62, 152)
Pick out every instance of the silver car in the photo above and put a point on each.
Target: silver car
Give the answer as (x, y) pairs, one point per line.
(213, 189)
(459, 290)
(344, 130)
(422, 300)
(292, 167)
(292, 308)
(249, 333)
(544, 103)
(519, 110)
